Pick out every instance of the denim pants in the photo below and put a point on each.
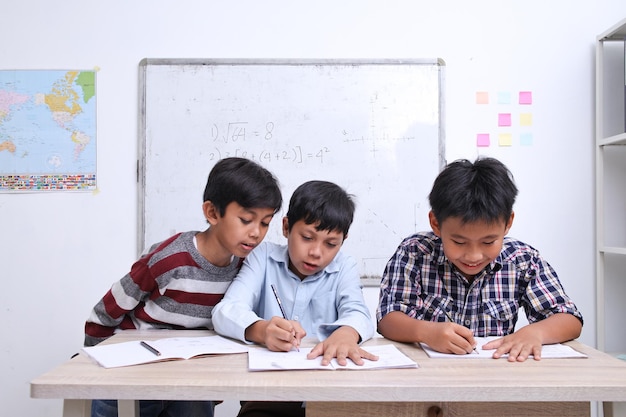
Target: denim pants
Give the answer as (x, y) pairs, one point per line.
(156, 408)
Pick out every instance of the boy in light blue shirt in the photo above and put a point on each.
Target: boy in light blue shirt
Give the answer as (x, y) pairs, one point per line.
(318, 285)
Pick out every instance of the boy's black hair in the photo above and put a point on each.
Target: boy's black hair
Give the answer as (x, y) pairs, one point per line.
(322, 202)
(244, 182)
(483, 190)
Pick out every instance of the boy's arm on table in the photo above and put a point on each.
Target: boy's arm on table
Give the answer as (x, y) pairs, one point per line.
(108, 312)
(526, 341)
(233, 315)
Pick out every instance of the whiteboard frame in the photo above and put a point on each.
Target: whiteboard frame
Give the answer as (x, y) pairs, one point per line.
(142, 125)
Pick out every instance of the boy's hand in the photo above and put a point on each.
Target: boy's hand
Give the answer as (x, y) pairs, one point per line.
(449, 337)
(519, 345)
(341, 344)
(283, 335)
(528, 339)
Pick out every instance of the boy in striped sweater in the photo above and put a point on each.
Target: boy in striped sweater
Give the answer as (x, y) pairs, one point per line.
(179, 281)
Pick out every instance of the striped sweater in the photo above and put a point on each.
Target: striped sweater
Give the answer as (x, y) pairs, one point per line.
(171, 287)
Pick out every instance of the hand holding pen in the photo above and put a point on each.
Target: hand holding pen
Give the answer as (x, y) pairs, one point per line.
(294, 331)
(452, 321)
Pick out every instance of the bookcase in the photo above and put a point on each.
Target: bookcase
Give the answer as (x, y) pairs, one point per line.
(610, 153)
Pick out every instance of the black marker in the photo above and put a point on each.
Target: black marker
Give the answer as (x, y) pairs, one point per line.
(150, 348)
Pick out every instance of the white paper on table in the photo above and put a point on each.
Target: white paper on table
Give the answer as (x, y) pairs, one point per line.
(262, 359)
(552, 351)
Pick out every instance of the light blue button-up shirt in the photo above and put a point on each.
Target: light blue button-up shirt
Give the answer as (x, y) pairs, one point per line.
(321, 303)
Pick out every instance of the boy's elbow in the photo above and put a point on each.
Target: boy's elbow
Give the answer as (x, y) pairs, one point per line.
(571, 326)
(385, 327)
(578, 327)
(217, 318)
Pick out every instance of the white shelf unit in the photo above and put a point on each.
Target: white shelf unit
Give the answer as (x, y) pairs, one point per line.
(610, 153)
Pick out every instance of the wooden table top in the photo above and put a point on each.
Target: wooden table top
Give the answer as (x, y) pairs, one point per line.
(600, 377)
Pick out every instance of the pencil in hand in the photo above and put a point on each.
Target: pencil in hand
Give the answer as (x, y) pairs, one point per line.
(282, 310)
(452, 321)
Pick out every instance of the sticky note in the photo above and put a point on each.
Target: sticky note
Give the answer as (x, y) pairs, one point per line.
(504, 119)
(504, 98)
(526, 139)
(525, 97)
(505, 139)
(482, 97)
(526, 119)
(482, 140)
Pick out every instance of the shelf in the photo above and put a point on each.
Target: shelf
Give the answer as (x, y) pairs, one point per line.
(610, 218)
(615, 33)
(613, 140)
(613, 250)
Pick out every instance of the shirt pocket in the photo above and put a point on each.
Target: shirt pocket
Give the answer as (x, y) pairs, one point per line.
(434, 308)
(502, 311)
(322, 308)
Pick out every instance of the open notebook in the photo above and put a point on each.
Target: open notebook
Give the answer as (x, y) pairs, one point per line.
(554, 351)
(174, 348)
(262, 359)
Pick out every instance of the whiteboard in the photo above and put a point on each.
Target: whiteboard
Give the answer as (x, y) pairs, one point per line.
(373, 127)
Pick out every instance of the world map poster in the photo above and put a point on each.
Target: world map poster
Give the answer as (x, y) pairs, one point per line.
(47, 130)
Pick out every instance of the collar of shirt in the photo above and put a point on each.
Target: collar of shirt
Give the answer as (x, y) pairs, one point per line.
(280, 254)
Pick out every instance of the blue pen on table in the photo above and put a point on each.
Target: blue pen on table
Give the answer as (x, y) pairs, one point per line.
(280, 305)
(452, 321)
(150, 348)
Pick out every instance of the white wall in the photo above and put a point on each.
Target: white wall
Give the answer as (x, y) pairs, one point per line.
(60, 252)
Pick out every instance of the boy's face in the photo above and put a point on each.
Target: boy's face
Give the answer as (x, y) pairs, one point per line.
(310, 250)
(470, 246)
(240, 229)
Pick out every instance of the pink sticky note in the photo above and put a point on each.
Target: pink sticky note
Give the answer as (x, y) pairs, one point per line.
(482, 97)
(504, 119)
(482, 140)
(525, 97)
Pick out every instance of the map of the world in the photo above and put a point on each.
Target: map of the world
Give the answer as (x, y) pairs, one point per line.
(47, 130)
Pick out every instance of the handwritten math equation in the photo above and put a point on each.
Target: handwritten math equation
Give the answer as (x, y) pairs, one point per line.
(236, 139)
(290, 155)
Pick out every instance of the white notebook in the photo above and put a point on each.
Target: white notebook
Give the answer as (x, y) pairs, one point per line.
(553, 351)
(262, 359)
(174, 348)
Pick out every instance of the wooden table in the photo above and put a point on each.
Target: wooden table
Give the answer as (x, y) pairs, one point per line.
(439, 387)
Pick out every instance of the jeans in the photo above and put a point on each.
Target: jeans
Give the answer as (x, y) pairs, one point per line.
(156, 408)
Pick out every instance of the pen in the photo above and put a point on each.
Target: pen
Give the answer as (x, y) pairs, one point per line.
(280, 305)
(150, 348)
(452, 321)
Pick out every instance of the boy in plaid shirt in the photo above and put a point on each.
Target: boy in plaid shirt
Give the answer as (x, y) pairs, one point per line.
(466, 278)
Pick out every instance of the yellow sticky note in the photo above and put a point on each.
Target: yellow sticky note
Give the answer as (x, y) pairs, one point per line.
(505, 139)
(526, 119)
